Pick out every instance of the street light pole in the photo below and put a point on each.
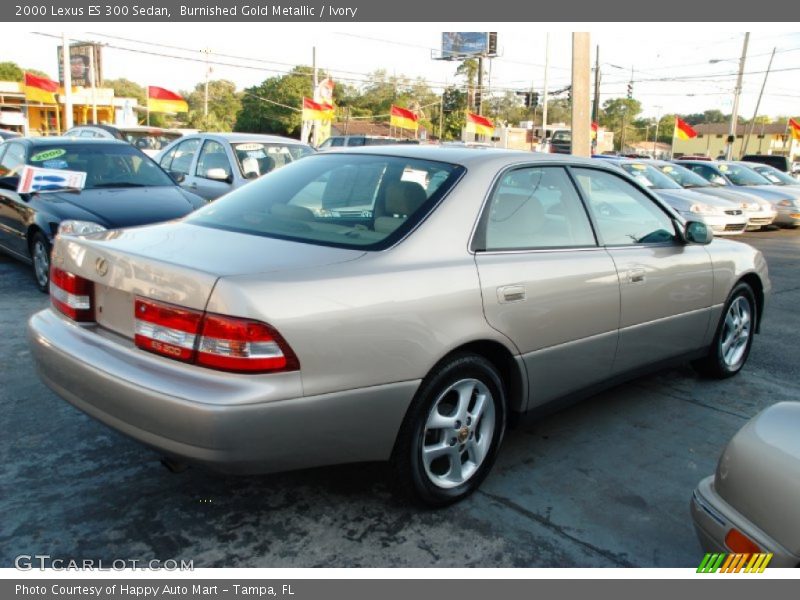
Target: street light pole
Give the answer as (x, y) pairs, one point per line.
(736, 93)
(758, 104)
(544, 105)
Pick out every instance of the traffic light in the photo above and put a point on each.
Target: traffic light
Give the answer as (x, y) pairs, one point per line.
(534, 99)
(569, 94)
(630, 90)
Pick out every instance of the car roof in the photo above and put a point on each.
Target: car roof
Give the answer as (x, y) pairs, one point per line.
(464, 156)
(246, 137)
(65, 141)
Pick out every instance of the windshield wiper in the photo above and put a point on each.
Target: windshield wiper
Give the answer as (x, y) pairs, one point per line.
(116, 184)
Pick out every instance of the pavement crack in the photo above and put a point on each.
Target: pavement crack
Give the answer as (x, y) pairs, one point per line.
(615, 558)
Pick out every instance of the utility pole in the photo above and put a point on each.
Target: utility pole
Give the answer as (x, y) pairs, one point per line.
(546, 69)
(479, 92)
(655, 137)
(206, 51)
(581, 120)
(758, 104)
(736, 93)
(67, 84)
(441, 117)
(93, 84)
(315, 134)
(596, 104)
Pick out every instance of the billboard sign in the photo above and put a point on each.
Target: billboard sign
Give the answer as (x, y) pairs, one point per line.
(80, 60)
(460, 44)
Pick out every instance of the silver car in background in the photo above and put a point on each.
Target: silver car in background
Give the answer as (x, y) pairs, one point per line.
(785, 200)
(722, 216)
(213, 164)
(751, 504)
(759, 212)
(396, 303)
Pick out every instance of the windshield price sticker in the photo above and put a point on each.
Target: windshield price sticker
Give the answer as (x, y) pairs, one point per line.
(36, 179)
(48, 154)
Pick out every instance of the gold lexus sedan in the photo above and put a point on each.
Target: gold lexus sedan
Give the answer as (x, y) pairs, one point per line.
(394, 303)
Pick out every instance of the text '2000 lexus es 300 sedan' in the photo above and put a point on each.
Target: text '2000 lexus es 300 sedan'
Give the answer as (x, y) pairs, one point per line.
(393, 304)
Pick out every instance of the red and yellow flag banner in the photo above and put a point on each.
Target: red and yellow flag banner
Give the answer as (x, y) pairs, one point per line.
(317, 111)
(479, 125)
(683, 130)
(40, 89)
(595, 126)
(402, 117)
(794, 126)
(161, 100)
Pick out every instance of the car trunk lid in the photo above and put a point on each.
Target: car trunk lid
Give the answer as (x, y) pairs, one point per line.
(176, 263)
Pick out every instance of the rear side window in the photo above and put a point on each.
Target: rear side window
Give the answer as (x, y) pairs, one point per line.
(179, 159)
(536, 207)
(343, 200)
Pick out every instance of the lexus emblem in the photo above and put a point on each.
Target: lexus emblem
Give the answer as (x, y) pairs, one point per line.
(101, 266)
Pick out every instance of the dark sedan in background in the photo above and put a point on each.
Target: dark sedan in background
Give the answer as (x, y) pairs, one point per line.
(123, 188)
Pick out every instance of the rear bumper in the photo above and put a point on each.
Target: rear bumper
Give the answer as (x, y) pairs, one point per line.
(229, 422)
(713, 518)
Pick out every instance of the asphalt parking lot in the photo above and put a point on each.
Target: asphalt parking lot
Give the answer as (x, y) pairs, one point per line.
(605, 483)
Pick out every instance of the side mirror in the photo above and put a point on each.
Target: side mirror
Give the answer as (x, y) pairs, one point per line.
(177, 177)
(218, 174)
(697, 233)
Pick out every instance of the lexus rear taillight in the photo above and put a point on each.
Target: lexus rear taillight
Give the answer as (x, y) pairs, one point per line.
(71, 295)
(166, 329)
(215, 341)
(240, 345)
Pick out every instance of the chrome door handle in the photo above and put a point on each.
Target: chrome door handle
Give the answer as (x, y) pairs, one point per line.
(511, 293)
(636, 275)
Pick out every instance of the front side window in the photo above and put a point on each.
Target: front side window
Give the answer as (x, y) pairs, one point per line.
(535, 207)
(343, 200)
(213, 163)
(13, 160)
(624, 214)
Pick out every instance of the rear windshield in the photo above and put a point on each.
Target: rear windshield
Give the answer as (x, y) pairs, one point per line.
(649, 176)
(150, 140)
(107, 165)
(342, 200)
(683, 176)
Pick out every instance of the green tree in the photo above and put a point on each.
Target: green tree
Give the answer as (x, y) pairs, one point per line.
(508, 108)
(617, 115)
(11, 71)
(274, 105)
(224, 104)
(454, 103)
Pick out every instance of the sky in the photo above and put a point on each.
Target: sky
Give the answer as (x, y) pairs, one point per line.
(672, 72)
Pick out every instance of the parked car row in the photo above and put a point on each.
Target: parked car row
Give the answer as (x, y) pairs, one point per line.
(739, 195)
(124, 187)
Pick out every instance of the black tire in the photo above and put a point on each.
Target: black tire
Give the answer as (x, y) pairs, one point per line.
(717, 364)
(425, 482)
(40, 255)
